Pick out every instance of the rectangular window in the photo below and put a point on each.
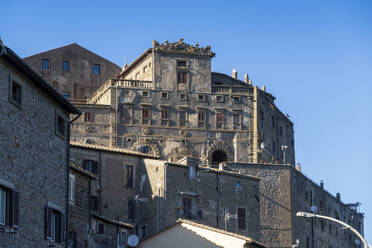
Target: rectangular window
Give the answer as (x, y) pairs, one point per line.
(131, 210)
(187, 210)
(201, 98)
(145, 93)
(122, 237)
(143, 231)
(45, 64)
(101, 228)
(60, 126)
(54, 225)
(182, 118)
(183, 97)
(182, 77)
(181, 63)
(9, 207)
(241, 219)
(192, 171)
(201, 116)
(72, 189)
(129, 176)
(164, 114)
(91, 166)
(236, 121)
(236, 99)
(16, 94)
(220, 117)
(164, 95)
(71, 195)
(88, 116)
(65, 66)
(96, 69)
(145, 113)
(220, 98)
(94, 203)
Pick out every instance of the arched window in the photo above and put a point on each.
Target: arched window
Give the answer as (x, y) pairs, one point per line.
(218, 157)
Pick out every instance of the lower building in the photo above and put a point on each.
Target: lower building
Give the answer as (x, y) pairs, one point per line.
(284, 191)
(149, 195)
(189, 234)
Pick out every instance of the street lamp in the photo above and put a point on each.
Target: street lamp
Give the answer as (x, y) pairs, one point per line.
(313, 215)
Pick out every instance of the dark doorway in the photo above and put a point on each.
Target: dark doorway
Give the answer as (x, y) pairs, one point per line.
(218, 157)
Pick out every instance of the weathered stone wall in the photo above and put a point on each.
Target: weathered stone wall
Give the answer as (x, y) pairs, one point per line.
(322, 233)
(79, 81)
(78, 212)
(33, 156)
(208, 204)
(98, 130)
(275, 202)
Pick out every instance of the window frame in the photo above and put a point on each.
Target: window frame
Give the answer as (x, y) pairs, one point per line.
(201, 97)
(58, 120)
(46, 60)
(220, 98)
(90, 165)
(241, 218)
(64, 63)
(71, 193)
(12, 97)
(94, 69)
(88, 116)
(54, 221)
(187, 207)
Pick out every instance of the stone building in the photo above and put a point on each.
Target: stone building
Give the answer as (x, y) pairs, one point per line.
(73, 70)
(213, 197)
(284, 191)
(105, 210)
(151, 194)
(34, 145)
(169, 103)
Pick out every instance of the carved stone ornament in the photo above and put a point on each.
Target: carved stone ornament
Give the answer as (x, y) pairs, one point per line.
(183, 132)
(88, 128)
(182, 48)
(146, 131)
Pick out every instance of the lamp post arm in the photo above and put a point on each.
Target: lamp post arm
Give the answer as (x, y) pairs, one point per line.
(335, 220)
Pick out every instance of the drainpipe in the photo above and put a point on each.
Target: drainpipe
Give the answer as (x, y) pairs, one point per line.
(165, 194)
(68, 174)
(217, 198)
(100, 183)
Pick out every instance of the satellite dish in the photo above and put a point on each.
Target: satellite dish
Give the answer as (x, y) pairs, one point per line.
(313, 209)
(133, 240)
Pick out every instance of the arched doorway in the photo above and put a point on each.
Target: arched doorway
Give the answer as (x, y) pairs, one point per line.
(218, 157)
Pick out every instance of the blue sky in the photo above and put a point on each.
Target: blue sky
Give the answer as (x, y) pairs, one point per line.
(314, 56)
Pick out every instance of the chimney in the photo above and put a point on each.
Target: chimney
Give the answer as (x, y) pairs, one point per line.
(322, 184)
(250, 82)
(263, 88)
(235, 74)
(246, 78)
(338, 196)
(298, 167)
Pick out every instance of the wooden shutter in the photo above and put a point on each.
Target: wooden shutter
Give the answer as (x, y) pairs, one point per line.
(95, 167)
(58, 226)
(9, 208)
(47, 223)
(101, 228)
(15, 209)
(63, 227)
